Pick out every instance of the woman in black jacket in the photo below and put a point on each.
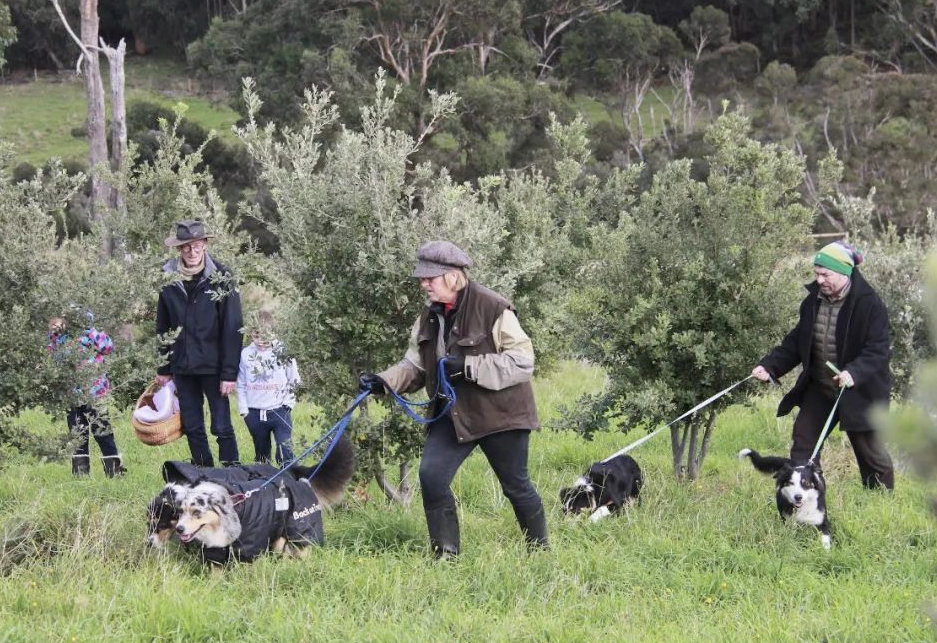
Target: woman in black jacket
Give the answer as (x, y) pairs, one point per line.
(205, 308)
(843, 322)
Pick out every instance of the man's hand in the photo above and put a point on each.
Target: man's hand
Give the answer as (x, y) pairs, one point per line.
(371, 383)
(843, 379)
(163, 380)
(227, 387)
(760, 373)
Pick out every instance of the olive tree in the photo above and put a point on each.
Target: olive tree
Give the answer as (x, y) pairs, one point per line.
(352, 210)
(42, 276)
(692, 287)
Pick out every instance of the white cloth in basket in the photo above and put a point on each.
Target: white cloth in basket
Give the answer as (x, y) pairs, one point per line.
(166, 404)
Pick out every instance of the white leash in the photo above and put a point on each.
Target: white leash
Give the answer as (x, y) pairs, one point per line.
(672, 422)
(826, 427)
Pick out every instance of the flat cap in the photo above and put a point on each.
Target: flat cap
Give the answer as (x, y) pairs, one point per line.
(436, 258)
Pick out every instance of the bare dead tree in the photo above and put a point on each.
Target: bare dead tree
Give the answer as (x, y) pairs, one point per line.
(545, 28)
(634, 91)
(103, 195)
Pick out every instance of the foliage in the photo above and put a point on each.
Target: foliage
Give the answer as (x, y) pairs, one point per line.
(352, 215)
(7, 32)
(894, 268)
(614, 50)
(44, 277)
(694, 284)
(707, 26)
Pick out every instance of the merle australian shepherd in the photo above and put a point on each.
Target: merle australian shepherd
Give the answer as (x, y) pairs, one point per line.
(800, 492)
(604, 489)
(205, 508)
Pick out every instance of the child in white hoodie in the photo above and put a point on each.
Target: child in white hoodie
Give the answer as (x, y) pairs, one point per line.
(266, 390)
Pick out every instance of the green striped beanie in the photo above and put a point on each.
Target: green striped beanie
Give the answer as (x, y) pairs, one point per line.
(839, 257)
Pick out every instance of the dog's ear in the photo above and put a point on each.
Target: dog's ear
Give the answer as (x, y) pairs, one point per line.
(784, 472)
(818, 480)
(220, 502)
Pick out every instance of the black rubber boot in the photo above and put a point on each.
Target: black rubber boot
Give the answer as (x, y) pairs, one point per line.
(443, 526)
(534, 527)
(81, 465)
(113, 466)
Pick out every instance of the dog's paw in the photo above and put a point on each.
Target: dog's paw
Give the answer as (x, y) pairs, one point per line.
(598, 514)
(744, 453)
(827, 542)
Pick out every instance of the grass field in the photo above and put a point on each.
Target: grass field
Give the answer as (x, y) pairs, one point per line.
(38, 116)
(702, 561)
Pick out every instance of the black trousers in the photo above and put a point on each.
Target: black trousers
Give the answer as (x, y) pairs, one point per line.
(506, 452)
(192, 389)
(875, 465)
(84, 421)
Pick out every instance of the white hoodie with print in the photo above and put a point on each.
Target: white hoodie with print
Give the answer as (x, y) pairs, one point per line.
(263, 381)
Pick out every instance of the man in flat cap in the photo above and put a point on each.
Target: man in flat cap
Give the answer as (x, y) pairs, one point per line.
(489, 362)
(203, 361)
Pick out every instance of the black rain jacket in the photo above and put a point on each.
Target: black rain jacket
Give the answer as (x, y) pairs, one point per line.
(862, 348)
(210, 340)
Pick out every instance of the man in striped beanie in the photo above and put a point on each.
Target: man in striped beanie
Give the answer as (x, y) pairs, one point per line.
(843, 323)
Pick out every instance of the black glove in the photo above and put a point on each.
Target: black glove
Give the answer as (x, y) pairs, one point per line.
(371, 383)
(454, 366)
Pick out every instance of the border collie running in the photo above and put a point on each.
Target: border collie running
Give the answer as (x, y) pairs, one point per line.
(801, 490)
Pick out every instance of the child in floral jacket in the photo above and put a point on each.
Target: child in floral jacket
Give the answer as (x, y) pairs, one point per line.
(84, 420)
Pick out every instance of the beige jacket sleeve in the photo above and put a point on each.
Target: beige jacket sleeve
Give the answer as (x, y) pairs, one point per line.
(408, 374)
(512, 364)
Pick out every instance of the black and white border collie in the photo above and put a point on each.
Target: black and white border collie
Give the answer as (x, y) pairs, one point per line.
(800, 493)
(604, 489)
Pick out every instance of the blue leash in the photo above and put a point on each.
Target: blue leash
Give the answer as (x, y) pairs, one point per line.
(444, 389)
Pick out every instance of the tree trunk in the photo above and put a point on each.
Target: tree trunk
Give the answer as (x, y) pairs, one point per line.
(97, 119)
(115, 59)
(692, 467)
(401, 493)
(677, 446)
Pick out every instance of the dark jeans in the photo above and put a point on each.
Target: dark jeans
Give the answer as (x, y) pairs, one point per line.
(875, 466)
(83, 422)
(443, 454)
(191, 389)
(261, 423)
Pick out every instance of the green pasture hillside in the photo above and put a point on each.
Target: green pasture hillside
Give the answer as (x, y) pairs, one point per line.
(707, 560)
(39, 114)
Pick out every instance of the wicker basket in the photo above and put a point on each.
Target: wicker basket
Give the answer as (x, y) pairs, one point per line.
(159, 432)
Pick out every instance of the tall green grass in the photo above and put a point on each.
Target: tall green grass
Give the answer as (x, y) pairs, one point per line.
(701, 561)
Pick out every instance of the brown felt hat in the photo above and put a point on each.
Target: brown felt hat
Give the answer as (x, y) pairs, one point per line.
(436, 258)
(187, 232)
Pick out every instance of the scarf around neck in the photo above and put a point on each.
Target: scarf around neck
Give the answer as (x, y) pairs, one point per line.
(186, 272)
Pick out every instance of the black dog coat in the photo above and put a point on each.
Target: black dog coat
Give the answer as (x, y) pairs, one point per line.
(299, 519)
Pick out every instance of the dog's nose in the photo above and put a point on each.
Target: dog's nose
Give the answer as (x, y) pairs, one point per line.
(180, 529)
(798, 497)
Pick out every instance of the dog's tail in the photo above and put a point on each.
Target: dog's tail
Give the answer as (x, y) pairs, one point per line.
(764, 463)
(332, 479)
